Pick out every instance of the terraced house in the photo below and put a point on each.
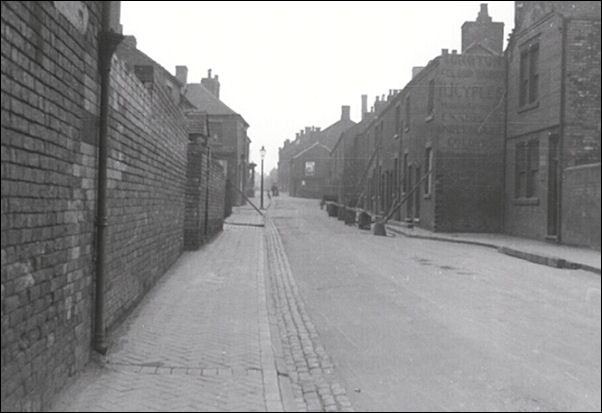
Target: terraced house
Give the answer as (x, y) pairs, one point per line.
(487, 140)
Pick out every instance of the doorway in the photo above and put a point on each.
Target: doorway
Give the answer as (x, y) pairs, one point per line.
(553, 188)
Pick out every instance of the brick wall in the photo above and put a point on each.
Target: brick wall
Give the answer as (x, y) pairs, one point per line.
(217, 196)
(582, 119)
(469, 131)
(49, 108)
(205, 196)
(580, 140)
(146, 187)
(196, 182)
(581, 206)
(580, 221)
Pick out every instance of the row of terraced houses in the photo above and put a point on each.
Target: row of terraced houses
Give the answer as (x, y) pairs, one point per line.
(484, 140)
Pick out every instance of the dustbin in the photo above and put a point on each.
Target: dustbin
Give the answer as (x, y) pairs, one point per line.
(349, 216)
(332, 209)
(364, 220)
(341, 212)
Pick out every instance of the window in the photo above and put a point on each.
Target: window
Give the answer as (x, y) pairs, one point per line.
(216, 130)
(396, 178)
(430, 105)
(526, 168)
(428, 164)
(405, 173)
(310, 168)
(407, 119)
(533, 74)
(520, 169)
(529, 75)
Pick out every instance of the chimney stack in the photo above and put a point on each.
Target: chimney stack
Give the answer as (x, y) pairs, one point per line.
(416, 70)
(483, 31)
(364, 106)
(345, 112)
(182, 74)
(130, 41)
(211, 84)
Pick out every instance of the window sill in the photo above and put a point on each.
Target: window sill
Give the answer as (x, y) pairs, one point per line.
(528, 107)
(406, 129)
(526, 201)
(429, 118)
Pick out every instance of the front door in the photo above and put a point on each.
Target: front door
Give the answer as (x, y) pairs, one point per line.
(553, 187)
(410, 200)
(417, 194)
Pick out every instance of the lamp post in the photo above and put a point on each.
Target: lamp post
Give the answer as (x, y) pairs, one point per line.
(262, 153)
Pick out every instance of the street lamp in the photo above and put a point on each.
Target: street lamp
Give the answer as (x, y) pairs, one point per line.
(262, 153)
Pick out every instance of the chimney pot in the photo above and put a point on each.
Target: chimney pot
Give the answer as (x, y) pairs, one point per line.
(444, 52)
(454, 51)
(345, 112)
(364, 106)
(182, 74)
(209, 74)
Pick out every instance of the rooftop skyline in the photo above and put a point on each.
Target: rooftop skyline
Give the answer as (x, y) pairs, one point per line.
(284, 66)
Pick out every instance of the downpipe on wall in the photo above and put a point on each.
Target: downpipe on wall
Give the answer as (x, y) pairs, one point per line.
(108, 42)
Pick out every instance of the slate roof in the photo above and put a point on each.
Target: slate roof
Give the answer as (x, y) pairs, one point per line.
(204, 100)
(311, 147)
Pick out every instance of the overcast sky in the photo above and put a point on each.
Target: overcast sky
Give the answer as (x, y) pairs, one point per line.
(284, 66)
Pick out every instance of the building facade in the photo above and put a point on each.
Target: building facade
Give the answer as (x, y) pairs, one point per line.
(512, 139)
(553, 123)
(228, 137)
(294, 164)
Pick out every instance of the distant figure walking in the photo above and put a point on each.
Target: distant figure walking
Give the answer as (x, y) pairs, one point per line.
(274, 190)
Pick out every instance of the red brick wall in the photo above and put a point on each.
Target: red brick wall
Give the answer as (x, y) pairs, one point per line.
(49, 107)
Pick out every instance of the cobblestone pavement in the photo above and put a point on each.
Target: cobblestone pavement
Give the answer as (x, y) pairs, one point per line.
(200, 340)
(312, 379)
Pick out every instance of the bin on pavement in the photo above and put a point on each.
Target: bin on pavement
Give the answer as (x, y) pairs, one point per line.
(349, 216)
(364, 220)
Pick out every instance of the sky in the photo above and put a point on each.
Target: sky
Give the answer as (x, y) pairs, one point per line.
(287, 65)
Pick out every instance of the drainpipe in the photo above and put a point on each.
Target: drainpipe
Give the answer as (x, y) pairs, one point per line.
(107, 45)
(507, 55)
(560, 172)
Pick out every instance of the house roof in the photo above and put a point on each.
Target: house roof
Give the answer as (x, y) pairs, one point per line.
(355, 129)
(204, 100)
(310, 147)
